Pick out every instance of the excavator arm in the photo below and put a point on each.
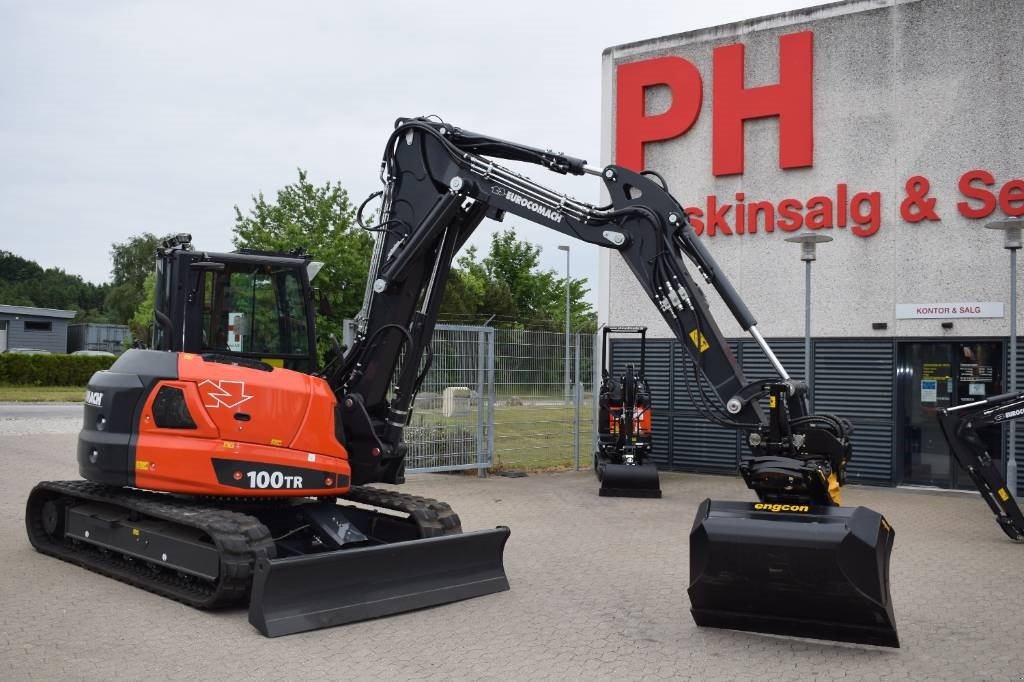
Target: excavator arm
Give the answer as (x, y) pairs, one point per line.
(960, 426)
(440, 183)
(794, 562)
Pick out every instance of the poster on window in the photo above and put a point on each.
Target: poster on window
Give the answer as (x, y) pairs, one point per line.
(976, 374)
(929, 391)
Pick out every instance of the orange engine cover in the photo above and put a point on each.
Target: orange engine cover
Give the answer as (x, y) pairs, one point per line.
(253, 432)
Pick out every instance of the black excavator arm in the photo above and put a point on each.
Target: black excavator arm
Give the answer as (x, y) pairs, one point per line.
(960, 426)
(440, 183)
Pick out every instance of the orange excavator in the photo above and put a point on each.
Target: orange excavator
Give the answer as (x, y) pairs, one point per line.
(622, 460)
(229, 464)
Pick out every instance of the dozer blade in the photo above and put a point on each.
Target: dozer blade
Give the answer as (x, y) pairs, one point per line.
(629, 480)
(301, 593)
(820, 572)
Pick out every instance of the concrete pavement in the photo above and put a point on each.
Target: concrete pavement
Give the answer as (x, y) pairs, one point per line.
(598, 592)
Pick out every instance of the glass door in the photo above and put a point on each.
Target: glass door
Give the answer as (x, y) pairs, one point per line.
(925, 383)
(933, 375)
(979, 375)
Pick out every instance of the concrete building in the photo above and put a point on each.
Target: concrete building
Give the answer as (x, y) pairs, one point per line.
(896, 128)
(38, 328)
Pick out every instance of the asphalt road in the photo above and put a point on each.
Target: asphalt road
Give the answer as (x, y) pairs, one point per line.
(32, 418)
(598, 592)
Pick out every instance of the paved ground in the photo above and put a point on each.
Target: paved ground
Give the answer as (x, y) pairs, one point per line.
(32, 418)
(598, 592)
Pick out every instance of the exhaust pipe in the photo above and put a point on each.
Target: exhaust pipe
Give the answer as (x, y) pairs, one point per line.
(818, 572)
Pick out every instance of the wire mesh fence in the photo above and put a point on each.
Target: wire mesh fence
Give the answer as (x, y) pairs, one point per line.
(543, 389)
(503, 398)
(450, 425)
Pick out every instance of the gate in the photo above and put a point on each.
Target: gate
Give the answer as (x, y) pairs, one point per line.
(450, 428)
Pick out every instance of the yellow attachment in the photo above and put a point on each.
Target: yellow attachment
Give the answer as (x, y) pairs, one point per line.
(833, 490)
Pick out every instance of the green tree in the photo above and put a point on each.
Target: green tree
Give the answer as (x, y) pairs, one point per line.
(24, 282)
(508, 285)
(131, 261)
(321, 220)
(141, 324)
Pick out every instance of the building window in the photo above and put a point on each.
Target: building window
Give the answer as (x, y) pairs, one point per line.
(38, 326)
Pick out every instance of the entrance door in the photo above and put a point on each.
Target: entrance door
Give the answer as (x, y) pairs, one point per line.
(3, 335)
(934, 375)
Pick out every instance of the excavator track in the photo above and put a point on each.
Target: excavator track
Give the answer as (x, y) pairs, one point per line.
(239, 540)
(432, 517)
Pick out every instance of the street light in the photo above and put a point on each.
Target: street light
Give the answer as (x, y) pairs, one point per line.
(1011, 228)
(566, 249)
(808, 246)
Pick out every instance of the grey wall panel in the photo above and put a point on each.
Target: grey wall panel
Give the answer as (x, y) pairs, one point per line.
(54, 340)
(854, 379)
(756, 365)
(698, 445)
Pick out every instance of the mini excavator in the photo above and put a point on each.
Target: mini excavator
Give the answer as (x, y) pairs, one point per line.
(227, 465)
(621, 461)
(961, 425)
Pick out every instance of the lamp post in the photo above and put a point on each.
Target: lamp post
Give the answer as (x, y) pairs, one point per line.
(1011, 228)
(565, 248)
(808, 253)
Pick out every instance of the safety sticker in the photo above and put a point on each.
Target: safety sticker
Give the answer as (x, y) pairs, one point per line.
(703, 345)
(1003, 495)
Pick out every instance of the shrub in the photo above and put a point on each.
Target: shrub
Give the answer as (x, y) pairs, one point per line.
(50, 370)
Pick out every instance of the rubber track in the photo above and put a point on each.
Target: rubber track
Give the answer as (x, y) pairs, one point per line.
(239, 538)
(434, 518)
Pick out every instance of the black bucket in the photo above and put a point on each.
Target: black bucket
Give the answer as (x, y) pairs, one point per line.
(629, 480)
(819, 572)
(314, 591)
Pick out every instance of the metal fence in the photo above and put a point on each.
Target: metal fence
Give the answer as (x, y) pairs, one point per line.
(450, 425)
(542, 416)
(503, 398)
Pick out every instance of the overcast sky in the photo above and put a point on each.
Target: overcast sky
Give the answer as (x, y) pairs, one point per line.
(123, 117)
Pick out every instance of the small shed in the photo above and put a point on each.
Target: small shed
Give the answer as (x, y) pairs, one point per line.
(96, 336)
(37, 328)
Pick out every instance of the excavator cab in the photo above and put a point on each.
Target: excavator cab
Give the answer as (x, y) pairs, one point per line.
(622, 460)
(250, 305)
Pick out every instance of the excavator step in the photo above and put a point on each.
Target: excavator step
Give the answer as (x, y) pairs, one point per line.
(818, 572)
(301, 593)
(628, 480)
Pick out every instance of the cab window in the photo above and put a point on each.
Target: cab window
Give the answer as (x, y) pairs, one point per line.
(255, 309)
